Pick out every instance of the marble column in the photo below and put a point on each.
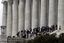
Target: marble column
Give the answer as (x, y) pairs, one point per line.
(61, 14)
(21, 15)
(43, 16)
(39, 11)
(4, 17)
(34, 14)
(9, 19)
(15, 18)
(52, 12)
(27, 14)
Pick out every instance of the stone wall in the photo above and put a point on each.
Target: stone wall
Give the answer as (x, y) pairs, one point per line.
(4, 39)
(15, 40)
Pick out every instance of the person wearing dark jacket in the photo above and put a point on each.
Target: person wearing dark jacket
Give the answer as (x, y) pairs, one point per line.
(18, 34)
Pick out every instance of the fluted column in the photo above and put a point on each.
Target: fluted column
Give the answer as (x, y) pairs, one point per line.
(21, 15)
(9, 19)
(4, 18)
(27, 14)
(52, 12)
(43, 17)
(39, 11)
(34, 14)
(61, 14)
(15, 18)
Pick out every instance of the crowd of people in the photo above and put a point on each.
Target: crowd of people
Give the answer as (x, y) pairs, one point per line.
(36, 31)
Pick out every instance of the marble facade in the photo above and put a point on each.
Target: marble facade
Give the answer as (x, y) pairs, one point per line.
(29, 14)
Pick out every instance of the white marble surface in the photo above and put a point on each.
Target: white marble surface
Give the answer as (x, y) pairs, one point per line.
(28, 14)
(21, 14)
(61, 14)
(52, 12)
(58, 32)
(34, 14)
(43, 17)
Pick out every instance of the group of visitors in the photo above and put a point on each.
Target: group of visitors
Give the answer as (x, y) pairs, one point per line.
(36, 31)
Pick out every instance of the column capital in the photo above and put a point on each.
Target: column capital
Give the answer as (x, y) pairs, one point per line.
(10, 1)
(21, 0)
(16, 1)
(5, 2)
